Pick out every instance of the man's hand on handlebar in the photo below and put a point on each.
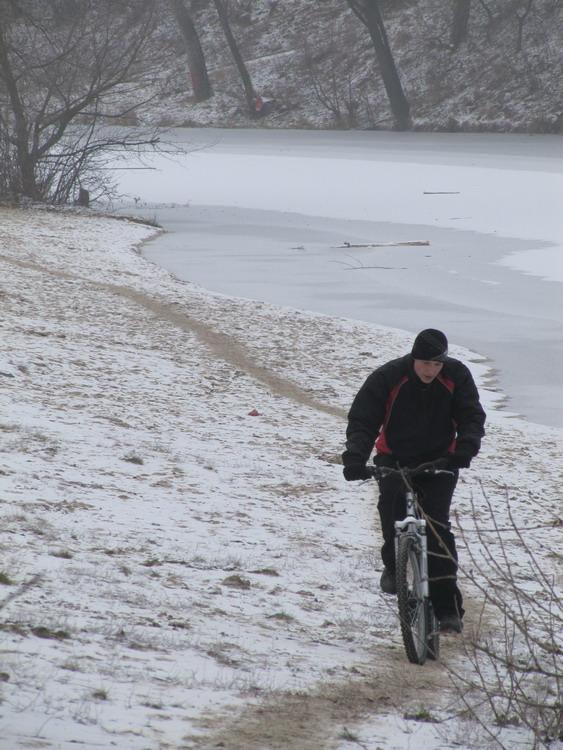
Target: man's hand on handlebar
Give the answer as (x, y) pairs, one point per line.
(458, 461)
(357, 472)
(360, 472)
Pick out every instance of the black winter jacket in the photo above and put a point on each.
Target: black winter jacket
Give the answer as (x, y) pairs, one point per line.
(395, 411)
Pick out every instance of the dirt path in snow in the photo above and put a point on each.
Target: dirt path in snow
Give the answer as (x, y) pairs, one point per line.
(227, 349)
(222, 346)
(316, 719)
(327, 717)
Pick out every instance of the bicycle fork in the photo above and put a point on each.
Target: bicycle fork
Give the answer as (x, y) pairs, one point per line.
(415, 528)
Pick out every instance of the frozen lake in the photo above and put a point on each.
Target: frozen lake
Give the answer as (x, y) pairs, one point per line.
(265, 214)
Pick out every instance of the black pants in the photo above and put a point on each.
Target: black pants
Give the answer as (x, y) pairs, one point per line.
(435, 497)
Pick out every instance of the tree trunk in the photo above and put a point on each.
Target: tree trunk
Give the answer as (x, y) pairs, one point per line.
(83, 197)
(233, 46)
(521, 22)
(460, 22)
(196, 61)
(20, 133)
(369, 13)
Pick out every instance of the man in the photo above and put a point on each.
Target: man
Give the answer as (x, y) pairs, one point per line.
(418, 408)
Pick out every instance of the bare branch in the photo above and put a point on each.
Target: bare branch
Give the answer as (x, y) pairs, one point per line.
(33, 581)
(515, 674)
(61, 75)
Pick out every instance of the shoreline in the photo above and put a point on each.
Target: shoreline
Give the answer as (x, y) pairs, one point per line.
(254, 261)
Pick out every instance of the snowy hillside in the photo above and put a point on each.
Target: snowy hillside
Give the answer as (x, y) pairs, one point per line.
(316, 63)
(182, 564)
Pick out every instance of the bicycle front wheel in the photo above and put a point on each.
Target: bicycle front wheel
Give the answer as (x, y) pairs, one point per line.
(414, 608)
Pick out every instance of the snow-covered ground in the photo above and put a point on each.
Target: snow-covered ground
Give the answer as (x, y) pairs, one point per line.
(183, 565)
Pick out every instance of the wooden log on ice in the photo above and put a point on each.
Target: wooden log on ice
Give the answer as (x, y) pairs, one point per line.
(413, 243)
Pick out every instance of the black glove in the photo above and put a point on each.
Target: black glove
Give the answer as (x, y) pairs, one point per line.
(384, 459)
(459, 461)
(356, 472)
(442, 463)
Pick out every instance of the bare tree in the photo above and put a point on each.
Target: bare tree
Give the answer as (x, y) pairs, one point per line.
(59, 78)
(369, 13)
(335, 90)
(249, 92)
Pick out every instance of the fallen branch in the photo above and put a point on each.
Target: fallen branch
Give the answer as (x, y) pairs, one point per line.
(357, 265)
(380, 268)
(383, 244)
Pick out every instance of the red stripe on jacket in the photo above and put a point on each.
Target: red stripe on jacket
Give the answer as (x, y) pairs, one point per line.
(381, 442)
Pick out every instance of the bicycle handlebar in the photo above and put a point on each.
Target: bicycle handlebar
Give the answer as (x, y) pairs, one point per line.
(430, 467)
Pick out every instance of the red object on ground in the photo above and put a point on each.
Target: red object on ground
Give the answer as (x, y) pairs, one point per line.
(254, 413)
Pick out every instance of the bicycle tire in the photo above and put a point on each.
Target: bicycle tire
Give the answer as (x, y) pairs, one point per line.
(414, 608)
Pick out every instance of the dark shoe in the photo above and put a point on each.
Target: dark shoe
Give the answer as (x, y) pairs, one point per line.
(451, 622)
(387, 582)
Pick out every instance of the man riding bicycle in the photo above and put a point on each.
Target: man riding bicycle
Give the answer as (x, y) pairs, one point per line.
(414, 409)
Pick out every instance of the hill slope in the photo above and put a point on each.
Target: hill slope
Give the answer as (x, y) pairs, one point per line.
(315, 61)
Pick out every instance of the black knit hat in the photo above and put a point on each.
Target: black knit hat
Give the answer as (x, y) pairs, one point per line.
(431, 345)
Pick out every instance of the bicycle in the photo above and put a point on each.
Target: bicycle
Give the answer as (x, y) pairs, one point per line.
(419, 625)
